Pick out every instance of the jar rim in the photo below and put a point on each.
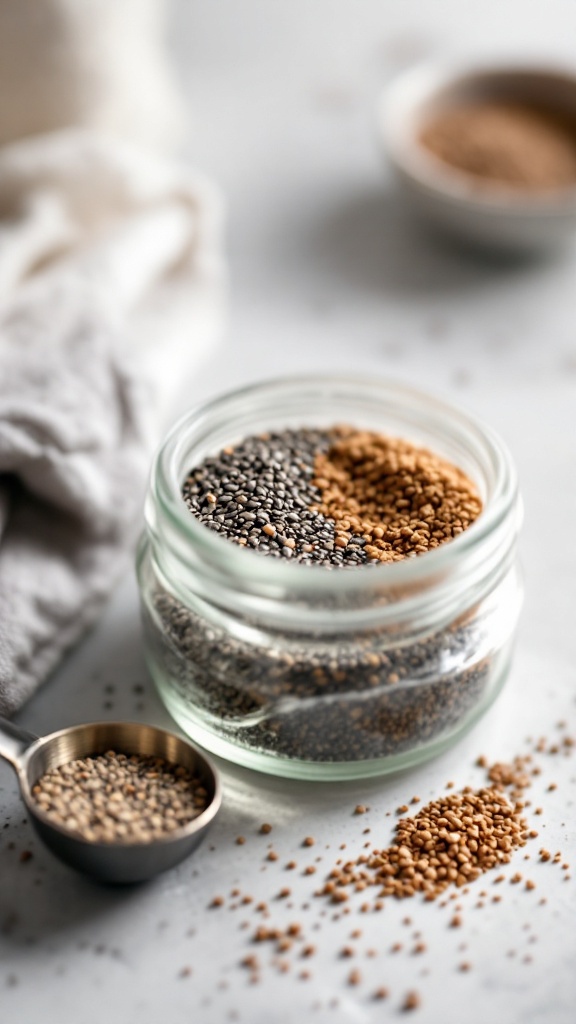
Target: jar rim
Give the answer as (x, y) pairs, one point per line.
(241, 562)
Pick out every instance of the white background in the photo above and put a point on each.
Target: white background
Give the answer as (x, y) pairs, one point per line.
(327, 271)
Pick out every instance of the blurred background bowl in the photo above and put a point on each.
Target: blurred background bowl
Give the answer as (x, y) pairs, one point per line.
(481, 212)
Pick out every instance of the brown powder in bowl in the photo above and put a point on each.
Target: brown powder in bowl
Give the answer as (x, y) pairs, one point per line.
(519, 145)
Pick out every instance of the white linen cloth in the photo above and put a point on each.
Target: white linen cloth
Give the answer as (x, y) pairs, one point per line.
(101, 64)
(110, 291)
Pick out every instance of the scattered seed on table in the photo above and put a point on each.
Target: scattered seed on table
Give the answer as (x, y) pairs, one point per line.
(412, 1001)
(486, 814)
(251, 962)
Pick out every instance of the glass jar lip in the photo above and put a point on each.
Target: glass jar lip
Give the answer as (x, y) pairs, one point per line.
(166, 481)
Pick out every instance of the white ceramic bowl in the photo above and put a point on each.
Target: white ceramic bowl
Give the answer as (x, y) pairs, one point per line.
(488, 215)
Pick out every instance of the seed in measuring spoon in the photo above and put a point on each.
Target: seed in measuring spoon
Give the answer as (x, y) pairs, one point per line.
(120, 798)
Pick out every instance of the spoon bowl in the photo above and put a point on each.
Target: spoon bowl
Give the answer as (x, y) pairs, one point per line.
(113, 862)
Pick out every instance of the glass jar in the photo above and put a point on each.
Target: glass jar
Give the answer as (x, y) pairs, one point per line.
(310, 673)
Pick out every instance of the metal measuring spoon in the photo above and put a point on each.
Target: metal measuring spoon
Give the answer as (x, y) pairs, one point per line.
(32, 756)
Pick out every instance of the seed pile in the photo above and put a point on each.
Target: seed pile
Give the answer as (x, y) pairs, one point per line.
(120, 798)
(451, 841)
(402, 500)
(336, 497)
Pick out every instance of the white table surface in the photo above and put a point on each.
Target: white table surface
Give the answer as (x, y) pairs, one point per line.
(328, 271)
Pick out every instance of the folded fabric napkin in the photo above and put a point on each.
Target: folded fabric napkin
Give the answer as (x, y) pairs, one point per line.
(102, 64)
(110, 291)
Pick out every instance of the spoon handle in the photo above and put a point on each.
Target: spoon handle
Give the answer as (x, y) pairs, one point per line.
(14, 741)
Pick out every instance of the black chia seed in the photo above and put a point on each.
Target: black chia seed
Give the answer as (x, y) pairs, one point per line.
(259, 494)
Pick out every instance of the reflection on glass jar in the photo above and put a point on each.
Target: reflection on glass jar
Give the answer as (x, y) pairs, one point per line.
(309, 673)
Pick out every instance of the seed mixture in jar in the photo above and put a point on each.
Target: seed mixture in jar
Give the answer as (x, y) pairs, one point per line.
(324, 701)
(337, 497)
(120, 798)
